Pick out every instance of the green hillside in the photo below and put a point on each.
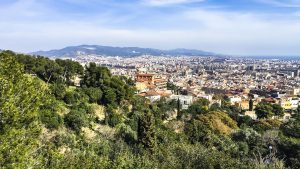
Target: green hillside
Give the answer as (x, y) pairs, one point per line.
(48, 122)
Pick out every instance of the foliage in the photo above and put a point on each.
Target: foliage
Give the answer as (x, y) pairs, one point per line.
(70, 69)
(199, 107)
(146, 133)
(48, 115)
(218, 122)
(126, 133)
(249, 136)
(76, 120)
(278, 110)
(58, 90)
(94, 94)
(20, 99)
(268, 110)
(113, 117)
(75, 97)
(35, 93)
(266, 124)
(289, 148)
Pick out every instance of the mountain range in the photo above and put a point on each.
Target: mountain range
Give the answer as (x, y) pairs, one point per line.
(74, 51)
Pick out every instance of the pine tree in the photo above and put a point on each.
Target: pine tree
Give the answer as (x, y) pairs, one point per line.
(251, 105)
(146, 133)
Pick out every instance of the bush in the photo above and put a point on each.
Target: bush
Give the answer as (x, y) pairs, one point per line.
(75, 97)
(58, 90)
(75, 120)
(126, 133)
(94, 94)
(51, 119)
(115, 119)
(264, 125)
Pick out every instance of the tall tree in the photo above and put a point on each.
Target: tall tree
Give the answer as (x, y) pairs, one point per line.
(146, 133)
(250, 104)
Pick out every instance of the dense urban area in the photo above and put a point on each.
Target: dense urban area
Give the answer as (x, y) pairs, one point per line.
(94, 111)
(244, 82)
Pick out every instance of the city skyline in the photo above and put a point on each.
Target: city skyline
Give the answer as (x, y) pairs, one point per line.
(254, 27)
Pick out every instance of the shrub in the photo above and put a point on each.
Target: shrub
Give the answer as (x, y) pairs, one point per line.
(75, 120)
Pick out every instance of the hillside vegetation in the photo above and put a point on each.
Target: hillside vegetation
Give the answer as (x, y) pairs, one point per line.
(46, 122)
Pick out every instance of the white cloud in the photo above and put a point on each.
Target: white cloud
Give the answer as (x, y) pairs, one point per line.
(242, 33)
(283, 3)
(213, 30)
(297, 13)
(168, 2)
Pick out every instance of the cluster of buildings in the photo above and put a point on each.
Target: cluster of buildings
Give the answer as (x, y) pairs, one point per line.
(245, 82)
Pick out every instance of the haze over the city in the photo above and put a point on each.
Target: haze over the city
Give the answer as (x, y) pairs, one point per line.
(245, 27)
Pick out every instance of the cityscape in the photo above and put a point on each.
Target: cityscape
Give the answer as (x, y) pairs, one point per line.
(242, 80)
(149, 84)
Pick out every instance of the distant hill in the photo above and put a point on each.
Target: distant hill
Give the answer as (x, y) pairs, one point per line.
(73, 51)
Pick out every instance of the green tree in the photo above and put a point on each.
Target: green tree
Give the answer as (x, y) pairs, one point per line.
(296, 113)
(20, 99)
(250, 104)
(48, 70)
(126, 132)
(76, 120)
(278, 110)
(75, 97)
(58, 90)
(95, 76)
(48, 114)
(199, 107)
(264, 110)
(215, 107)
(94, 94)
(109, 97)
(70, 69)
(146, 133)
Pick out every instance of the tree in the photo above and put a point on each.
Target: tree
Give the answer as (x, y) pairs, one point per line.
(126, 132)
(76, 120)
(95, 94)
(296, 113)
(146, 133)
(109, 97)
(290, 142)
(75, 97)
(20, 99)
(244, 120)
(199, 107)
(171, 86)
(70, 69)
(48, 114)
(250, 104)
(264, 110)
(58, 90)
(95, 76)
(278, 110)
(48, 70)
(112, 117)
(292, 128)
(215, 107)
(250, 136)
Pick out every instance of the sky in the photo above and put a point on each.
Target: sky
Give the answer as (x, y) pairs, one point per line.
(233, 27)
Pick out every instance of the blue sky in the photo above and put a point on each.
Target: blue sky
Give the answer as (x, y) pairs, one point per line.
(237, 27)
